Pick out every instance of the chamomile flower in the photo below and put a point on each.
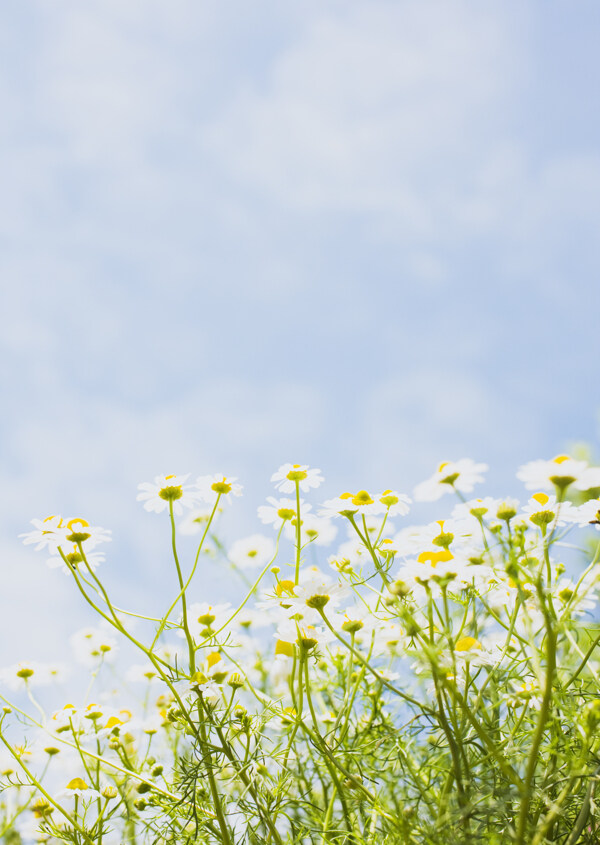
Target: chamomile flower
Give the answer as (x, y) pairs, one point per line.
(92, 645)
(79, 531)
(32, 674)
(476, 508)
(211, 486)
(280, 510)
(143, 673)
(350, 554)
(54, 532)
(316, 592)
(206, 687)
(75, 560)
(559, 473)
(542, 510)
(313, 529)
(79, 788)
(304, 634)
(349, 504)
(165, 490)
(195, 521)
(253, 552)
(288, 475)
(459, 475)
(586, 514)
(204, 618)
(396, 504)
(48, 533)
(471, 650)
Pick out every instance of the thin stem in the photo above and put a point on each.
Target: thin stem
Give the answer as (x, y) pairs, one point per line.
(186, 627)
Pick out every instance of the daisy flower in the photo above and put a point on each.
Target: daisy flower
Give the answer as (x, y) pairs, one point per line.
(560, 473)
(543, 509)
(477, 508)
(316, 592)
(205, 618)
(458, 475)
(79, 531)
(397, 504)
(586, 514)
(74, 560)
(93, 644)
(195, 521)
(288, 474)
(47, 533)
(349, 504)
(54, 531)
(306, 636)
(210, 486)
(167, 489)
(252, 552)
(280, 510)
(31, 673)
(77, 787)
(313, 529)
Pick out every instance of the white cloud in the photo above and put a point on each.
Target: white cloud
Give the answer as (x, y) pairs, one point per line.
(380, 108)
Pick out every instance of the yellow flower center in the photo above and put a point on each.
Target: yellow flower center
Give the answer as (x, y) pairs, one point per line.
(297, 474)
(223, 487)
(171, 494)
(285, 586)
(77, 783)
(362, 498)
(435, 557)
(282, 647)
(467, 644)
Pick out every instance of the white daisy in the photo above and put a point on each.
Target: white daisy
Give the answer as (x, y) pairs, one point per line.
(32, 673)
(78, 787)
(47, 533)
(313, 529)
(397, 504)
(253, 552)
(211, 486)
(75, 560)
(195, 521)
(204, 618)
(460, 475)
(316, 592)
(349, 504)
(280, 510)
(93, 644)
(288, 475)
(167, 489)
(560, 473)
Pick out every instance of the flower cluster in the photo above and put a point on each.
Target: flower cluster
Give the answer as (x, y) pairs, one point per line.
(419, 682)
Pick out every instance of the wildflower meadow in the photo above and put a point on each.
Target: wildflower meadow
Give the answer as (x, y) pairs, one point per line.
(380, 682)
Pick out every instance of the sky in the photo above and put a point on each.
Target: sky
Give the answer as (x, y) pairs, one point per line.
(358, 235)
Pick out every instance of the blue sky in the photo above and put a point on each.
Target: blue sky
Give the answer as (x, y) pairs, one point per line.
(360, 235)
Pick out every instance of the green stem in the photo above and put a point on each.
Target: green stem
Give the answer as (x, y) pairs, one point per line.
(186, 628)
(541, 725)
(211, 778)
(184, 587)
(35, 782)
(298, 533)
